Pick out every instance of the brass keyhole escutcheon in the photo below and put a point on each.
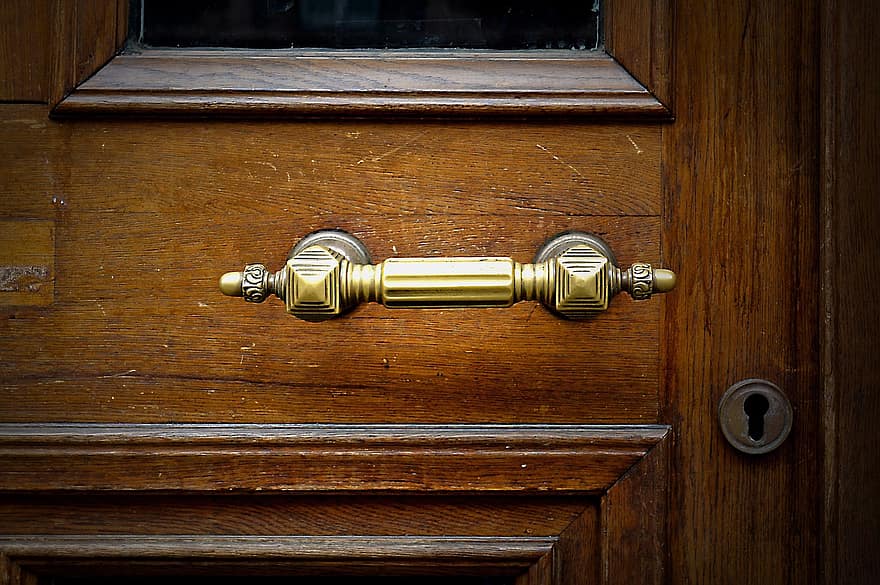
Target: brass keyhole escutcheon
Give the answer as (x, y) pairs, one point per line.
(755, 416)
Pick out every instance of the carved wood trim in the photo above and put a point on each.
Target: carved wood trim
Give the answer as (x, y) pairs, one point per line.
(640, 39)
(634, 519)
(85, 37)
(346, 84)
(310, 458)
(42, 555)
(366, 83)
(626, 543)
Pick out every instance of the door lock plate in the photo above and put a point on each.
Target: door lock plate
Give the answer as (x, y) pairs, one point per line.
(755, 416)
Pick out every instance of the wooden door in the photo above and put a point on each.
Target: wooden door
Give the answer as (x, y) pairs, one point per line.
(151, 426)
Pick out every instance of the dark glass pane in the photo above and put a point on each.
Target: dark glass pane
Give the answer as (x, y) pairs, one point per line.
(373, 24)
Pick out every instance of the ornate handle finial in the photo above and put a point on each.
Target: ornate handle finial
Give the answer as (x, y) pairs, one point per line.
(329, 272)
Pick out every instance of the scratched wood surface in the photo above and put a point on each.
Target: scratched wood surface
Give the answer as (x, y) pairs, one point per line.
(147, 215)
(738, 219)
(741, 213)
(27, 262)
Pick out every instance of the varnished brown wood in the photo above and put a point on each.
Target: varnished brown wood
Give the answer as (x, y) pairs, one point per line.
(170, 554)
(27, 263)
(374, 83)
(634, 523)
(326, 170)
(738, 219)
(122, 17)
(639, 36)
(308, 458)
(577, 555)
(24, 50)
(84, 36)
(851, 323)
(318, 515)
(740, 194)
(522, 185)
(334, 83)
(539, 573)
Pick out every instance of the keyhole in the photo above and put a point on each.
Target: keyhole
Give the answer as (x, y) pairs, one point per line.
(755, 407)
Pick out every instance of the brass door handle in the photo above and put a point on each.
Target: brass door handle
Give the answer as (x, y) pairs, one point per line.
(329, 272)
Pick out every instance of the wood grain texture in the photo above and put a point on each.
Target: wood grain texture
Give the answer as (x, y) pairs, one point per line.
(24, 50)
(634, 516)
(850, 254)
(277, 547)
(741, 214)
(347, 555)
(310, 458)
(268, 514)
(336, 83)
(326, 169)
(539, 573)
(577, 554)
(374, 83)
(148, 213)
(84, 38)
(209, 198)
(27, 263)
(638, 34)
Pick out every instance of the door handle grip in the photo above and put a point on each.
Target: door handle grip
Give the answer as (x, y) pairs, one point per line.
(329, 272)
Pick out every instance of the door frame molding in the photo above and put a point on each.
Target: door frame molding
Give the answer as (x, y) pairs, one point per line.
(630, 79)
(623, 466)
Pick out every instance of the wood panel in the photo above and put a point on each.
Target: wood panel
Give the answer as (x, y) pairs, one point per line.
(376, 83)
(264, 169)
(740, 221)
(224, 194)
(577, 555)
(24, 50)
(850, 176)
(537, 537)
(320, 458)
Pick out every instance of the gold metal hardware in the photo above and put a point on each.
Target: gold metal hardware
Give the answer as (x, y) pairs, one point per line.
(329, 272)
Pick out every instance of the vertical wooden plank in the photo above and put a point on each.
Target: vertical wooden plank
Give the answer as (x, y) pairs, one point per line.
(634, 523)
(62, 19)
(24, 50)
(121, 22)
(638, 36)
(577, 554)
(84, 39)
(740, 226)
(851, 254)
(541, 573)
